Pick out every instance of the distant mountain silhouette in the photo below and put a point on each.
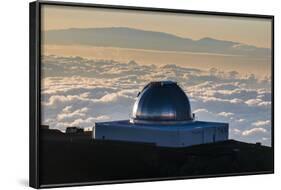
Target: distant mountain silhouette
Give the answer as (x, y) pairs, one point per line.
(122, 37)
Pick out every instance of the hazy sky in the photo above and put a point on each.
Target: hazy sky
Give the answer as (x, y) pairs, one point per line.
(250, 31)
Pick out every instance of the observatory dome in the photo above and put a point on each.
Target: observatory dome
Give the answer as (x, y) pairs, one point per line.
(161, 101)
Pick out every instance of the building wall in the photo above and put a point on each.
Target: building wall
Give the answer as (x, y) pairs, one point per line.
(222, 133)
(177, 137)
(191, 137)
(136, 134)
(203, 135)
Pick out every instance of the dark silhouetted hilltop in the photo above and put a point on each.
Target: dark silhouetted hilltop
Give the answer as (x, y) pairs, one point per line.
(70, 158)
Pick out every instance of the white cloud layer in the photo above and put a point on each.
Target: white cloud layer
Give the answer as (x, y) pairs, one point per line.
(79, 92)
(254, 131)
(261, 123)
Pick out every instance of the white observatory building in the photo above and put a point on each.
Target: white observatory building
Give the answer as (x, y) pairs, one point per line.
(162, 115)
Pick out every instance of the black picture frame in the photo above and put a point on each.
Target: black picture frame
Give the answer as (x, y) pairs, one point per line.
(35, 86)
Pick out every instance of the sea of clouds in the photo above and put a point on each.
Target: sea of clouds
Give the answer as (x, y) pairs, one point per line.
(79, 92)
